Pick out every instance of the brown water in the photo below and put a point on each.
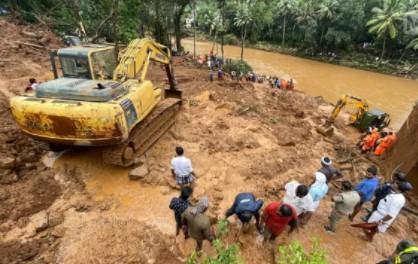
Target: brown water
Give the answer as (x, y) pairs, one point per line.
(391, 94)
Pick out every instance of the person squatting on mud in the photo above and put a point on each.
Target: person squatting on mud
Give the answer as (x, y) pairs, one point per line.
(179, 205)
(245, 207)
(297, 195)
(276, 216)
(366, 189)
(181, 169)
(197, 223)
(344, 203)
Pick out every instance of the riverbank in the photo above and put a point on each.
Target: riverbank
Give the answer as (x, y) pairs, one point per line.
(355, 59)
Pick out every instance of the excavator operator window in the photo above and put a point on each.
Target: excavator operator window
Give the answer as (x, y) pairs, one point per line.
(75, 67)
(104, 63)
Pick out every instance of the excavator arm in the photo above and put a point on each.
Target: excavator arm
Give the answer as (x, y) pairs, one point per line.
(360, 107)
(136, 58)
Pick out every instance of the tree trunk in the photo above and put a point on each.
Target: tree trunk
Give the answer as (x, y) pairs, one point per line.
(292, 36)
(383, 48)
(194, 29)
(243, 31)
(177, 26)
(284, 30)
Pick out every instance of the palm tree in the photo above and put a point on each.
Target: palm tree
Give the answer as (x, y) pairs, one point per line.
(286, 8)
(384, 21)
(325, 12)
(242, 19)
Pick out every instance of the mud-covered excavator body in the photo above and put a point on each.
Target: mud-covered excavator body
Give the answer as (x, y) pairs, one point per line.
(100, 101)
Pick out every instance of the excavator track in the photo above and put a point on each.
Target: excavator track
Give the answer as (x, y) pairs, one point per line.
(144, 135)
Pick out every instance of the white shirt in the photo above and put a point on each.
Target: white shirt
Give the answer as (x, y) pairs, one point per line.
(181, 165)
(302, 205)
(390, 205)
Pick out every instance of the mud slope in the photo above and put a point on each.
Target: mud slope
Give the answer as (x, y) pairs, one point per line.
(240, 137)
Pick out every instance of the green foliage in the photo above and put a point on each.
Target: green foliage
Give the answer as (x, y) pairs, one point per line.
(294, 253)
(231, 39)
(225, 254)
(239, 66)
(222, 228)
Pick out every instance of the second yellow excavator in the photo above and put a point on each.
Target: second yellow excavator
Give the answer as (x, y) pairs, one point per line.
(99, 101)
(360, 115)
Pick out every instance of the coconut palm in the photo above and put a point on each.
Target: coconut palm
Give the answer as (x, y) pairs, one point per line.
(242, 19)
(385, 21)
(326, 11)
(286, 8)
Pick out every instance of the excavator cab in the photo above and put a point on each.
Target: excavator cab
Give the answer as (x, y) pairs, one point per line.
(93, 62)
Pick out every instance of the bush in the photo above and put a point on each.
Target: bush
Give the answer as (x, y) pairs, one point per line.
(239, 66)
(295, 254)
(231, 39)
(225, 254)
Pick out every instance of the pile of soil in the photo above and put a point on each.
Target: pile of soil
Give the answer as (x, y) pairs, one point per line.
(24, 54)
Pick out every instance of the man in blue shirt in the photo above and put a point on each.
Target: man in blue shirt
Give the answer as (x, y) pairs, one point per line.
(245, 207)
(366, 189)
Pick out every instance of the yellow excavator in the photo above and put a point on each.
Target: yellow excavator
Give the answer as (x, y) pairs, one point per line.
(99, 100)
(360, 115)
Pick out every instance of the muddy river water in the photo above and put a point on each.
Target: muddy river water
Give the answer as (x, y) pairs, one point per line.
(391, 94)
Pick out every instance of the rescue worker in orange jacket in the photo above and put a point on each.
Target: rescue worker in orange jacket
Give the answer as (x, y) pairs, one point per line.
(385, 143)
(370, 140)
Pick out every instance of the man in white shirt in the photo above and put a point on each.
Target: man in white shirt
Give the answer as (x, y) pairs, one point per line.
(298, 196)
(388, 209)
(181, 168)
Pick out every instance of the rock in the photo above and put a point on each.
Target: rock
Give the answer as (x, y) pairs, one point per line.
(40, 221)
(300, 114)
(165, 190)
(55, 218)
(4, 194)
(138, 173)
(7, 162)
(58, 231)
(140, 160)
(9, 178)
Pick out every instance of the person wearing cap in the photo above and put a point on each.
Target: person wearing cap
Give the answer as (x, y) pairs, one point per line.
(406, 252)
(328, 170)
(246, 207)
(297, 195)
(318, 189)
(276, 216)
(344, 203)
(181, 168)
(366, 189)
(198, 224)
(383, 190)
(179, 205)
(388, 209)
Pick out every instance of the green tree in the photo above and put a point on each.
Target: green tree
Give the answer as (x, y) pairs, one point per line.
(384, 22)
(286, 8)
(242, 19)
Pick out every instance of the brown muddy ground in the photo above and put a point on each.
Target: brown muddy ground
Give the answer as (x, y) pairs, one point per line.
(240, 137)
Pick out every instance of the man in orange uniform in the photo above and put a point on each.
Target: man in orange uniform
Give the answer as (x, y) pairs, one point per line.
(385, 143)
(370, 140)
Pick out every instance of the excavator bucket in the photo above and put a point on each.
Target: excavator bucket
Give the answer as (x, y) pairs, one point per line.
(326, 129)
(173, 93)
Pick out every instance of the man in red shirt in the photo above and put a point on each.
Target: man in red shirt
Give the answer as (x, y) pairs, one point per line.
(277, 216)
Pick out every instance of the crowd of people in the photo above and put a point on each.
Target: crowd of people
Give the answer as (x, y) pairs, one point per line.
(298, 205)
(377, 141)
(215, 65)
